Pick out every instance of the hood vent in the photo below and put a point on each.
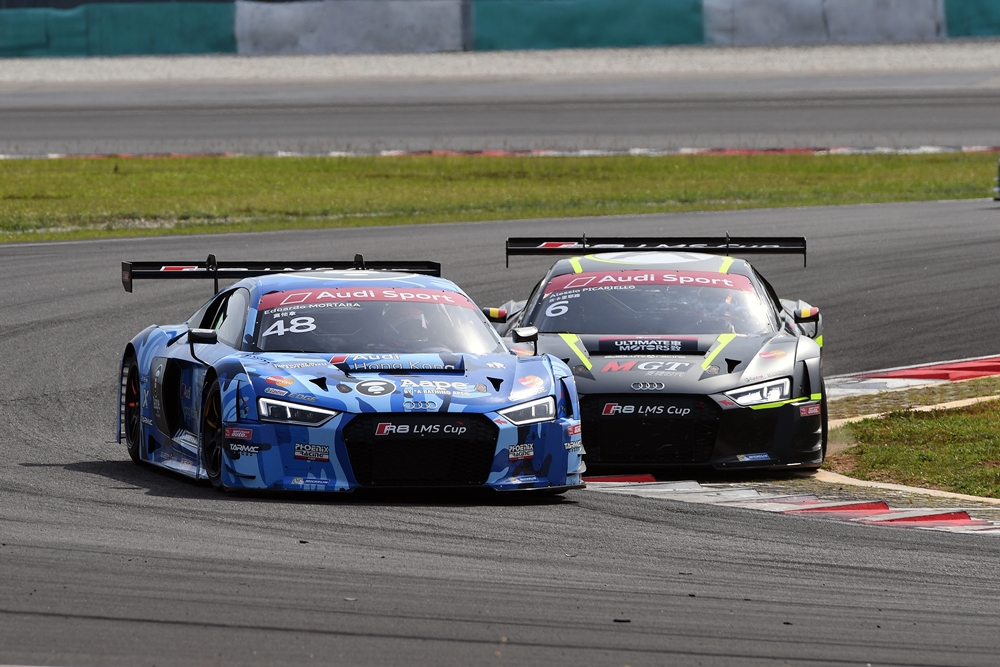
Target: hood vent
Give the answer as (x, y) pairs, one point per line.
(731, 364)
(496, 382)
(320, 382)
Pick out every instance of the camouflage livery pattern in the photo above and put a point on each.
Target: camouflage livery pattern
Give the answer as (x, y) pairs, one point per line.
(401, 420)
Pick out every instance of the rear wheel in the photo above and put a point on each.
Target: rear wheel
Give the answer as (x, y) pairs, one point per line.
(132, 404)
(212, 435)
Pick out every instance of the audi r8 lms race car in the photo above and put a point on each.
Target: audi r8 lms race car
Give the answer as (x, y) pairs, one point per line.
(683, 354)
(320, 377)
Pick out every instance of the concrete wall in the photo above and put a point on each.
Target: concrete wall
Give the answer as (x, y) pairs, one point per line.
(107, 29)
(349, 26)
(402, 26)
(817, 21)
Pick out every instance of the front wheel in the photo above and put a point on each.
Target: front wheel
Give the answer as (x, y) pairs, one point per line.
(212, 435)
(131, 413)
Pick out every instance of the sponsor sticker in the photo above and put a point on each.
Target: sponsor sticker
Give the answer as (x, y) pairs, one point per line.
(611, 409)
(240, 433)
(275, 392)
(573, 446)
(299, 299)
(307, 452)
(146, 420)
(810, 410)
(760, 456)
(574, 429)
(280, 380)
(309, 481)
(616, 279)
(521, 451)
(619, 344)
(300, 364)
(375, 387)
(243, 448)
(772, 354)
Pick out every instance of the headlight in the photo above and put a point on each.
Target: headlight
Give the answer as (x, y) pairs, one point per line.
(280, 412)
(539, 410)
(765, 392)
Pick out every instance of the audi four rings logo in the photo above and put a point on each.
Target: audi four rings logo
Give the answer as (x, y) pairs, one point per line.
(648, 386)
(420, 405)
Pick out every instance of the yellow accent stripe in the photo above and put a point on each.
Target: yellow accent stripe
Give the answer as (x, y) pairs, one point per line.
(726, 263)
(722, 341)
(575, 263)
(573, 341)
(819, 340)
(778, 404)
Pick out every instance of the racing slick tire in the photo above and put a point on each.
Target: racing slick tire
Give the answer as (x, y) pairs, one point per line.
(131, 403)
(212, 435)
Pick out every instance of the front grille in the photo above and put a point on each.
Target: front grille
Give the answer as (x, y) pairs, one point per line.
(646, 436)
(422, 455)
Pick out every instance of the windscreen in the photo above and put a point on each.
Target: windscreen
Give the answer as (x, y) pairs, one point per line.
(362, 319)
(651, 302)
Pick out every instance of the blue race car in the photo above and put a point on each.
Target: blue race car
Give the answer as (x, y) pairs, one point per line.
(338, 376)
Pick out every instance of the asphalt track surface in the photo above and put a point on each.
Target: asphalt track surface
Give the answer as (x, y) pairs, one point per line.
(106, 563)
(666, 112)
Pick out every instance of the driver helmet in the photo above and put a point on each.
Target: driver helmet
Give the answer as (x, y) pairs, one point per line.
(405, 322)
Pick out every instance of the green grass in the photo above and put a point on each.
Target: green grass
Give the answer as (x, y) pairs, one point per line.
(952, 450)
(889, 401)
(73, 198)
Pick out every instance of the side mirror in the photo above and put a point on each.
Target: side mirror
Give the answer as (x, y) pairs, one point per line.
(201, 337)
(806, 315)
(498, 315)
(525, 335)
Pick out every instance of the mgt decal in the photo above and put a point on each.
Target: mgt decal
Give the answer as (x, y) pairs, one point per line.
(419, 430)
(521, 451)
(618, 409)
(375, 387)
(678, 367)
(810, 410)
(619, 279)
(772, 354)
(240, 433)
(761, 456)
(280, 381)
(275, 392)
(648, 344)
(307, 452)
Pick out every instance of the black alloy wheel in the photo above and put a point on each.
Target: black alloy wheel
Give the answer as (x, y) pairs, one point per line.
(212, 435)
(132, 403)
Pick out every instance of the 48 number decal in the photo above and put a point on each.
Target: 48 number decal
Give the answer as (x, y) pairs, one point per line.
(295, 325)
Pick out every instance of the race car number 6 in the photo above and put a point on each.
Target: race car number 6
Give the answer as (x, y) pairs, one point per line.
(298, 325)
(557, 308)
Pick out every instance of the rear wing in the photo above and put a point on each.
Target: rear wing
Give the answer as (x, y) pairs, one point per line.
(713, 245)
(215, 270)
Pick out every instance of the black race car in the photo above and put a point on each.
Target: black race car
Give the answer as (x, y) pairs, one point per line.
(683, 354)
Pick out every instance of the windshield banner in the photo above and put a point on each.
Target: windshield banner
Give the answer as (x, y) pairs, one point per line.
(615, 279)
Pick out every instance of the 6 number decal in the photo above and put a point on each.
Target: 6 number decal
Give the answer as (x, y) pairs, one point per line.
(557, 309)
(297, 325)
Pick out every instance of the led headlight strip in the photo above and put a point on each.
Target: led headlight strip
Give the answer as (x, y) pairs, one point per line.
(538, 410)
(281, 412)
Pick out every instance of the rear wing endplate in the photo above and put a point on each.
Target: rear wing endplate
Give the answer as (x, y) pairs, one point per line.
(713, 245)
(215, 270)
